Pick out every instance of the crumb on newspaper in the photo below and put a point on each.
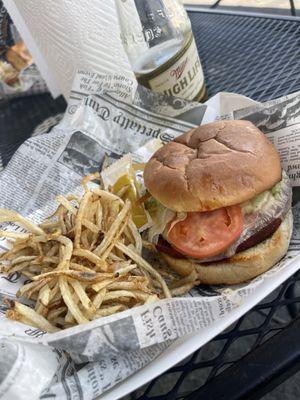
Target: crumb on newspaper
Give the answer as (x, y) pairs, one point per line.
(84, 262)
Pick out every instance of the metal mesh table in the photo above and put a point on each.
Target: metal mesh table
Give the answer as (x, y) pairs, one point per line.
(256, 56)
(20, 116)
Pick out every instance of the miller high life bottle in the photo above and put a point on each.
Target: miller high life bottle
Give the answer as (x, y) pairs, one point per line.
(161, 48)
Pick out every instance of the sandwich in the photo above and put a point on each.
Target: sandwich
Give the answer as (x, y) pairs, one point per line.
(221, 203)
(8, 74)
(18, 56)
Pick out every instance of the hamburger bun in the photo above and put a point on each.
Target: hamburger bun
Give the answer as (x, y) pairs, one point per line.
(213, 166)
(242, 266)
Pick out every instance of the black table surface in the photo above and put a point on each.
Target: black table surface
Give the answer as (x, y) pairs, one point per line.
(258, 56)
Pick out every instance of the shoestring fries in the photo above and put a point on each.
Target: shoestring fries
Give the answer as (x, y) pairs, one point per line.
(84, 262)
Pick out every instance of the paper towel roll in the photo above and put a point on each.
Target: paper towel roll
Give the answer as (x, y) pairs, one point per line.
(64, 35)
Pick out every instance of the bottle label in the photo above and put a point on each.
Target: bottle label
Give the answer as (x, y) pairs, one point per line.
(183, 77)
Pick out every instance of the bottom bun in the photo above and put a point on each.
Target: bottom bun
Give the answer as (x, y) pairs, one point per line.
(242, 266)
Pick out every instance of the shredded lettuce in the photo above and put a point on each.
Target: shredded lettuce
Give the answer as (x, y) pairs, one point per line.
(264, 200)
(163, 217)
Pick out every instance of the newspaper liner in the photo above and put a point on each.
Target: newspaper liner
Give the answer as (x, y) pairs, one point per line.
(109, 114)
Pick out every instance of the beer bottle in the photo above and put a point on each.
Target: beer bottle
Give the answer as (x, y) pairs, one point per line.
(161, 48)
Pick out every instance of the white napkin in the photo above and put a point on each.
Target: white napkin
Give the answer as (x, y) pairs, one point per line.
(64, 35)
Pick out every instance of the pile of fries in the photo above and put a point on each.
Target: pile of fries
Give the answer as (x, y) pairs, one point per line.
(84, 262)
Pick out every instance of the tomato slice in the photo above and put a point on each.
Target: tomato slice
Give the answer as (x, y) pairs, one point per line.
(206, 234)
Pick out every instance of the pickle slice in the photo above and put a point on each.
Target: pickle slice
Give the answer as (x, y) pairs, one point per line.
(127, 187)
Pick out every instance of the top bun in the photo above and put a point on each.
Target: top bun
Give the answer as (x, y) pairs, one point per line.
(213, 166)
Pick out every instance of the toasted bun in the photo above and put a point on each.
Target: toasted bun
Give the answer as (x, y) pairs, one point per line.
(242, 266)
(213, 166)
